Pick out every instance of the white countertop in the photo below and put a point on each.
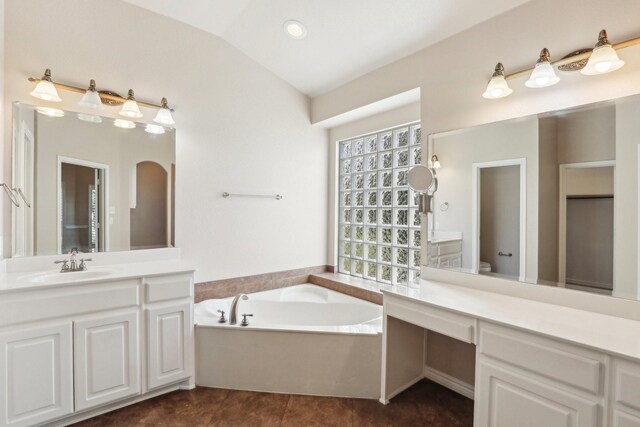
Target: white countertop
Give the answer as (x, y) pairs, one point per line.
(22, 281)
(610, 334)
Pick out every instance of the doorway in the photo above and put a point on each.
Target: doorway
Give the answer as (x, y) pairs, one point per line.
(586, 226)
(498, 218)
(149, 219)
(81, 201)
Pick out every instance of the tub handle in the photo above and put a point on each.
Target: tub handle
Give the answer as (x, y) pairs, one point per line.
(244, 319)
(222, 318)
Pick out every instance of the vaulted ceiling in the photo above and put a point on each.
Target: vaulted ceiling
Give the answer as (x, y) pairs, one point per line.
(346, 38)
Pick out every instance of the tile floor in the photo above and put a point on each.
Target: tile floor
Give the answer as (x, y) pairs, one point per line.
(425, 404)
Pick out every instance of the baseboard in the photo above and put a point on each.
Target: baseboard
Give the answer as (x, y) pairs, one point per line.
(452, 383)
(400, 389)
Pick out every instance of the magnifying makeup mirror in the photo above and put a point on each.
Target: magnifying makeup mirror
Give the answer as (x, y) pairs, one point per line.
(423, 181)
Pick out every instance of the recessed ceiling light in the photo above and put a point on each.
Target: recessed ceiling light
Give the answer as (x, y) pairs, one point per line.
(295, 29)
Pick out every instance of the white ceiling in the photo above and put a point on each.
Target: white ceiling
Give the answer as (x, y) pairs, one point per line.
(346, 38)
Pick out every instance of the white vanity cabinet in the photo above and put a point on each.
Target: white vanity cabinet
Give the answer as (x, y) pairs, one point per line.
(36, 371)
(170, 325)
(107, 358)
(523, 379)
(445, 253)
(625, 394)
(70, 351)
(536, 364)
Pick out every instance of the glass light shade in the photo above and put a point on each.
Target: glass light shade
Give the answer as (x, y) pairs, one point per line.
(91, 99)
(435, 162)
(164, 117)
(131, 109)
(91, 118)
(51, 112)
(497, 88)
(124, 124)
(603, 59)
(542, 75)
(46, 91)
(154, 129)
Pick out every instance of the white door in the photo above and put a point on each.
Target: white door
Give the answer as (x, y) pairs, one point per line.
(170, 337)
(107, 359)
(506, 398)
(36, 374)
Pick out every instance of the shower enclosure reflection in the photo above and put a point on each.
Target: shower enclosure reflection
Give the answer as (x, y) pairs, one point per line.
(90, 185)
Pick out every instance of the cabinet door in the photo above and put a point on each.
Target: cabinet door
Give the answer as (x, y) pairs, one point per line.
(107, 361)
(36, 374)
(170, 342)
(510, 398)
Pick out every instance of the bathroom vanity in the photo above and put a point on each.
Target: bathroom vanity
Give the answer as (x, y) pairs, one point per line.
(73, 345)
(537, 363)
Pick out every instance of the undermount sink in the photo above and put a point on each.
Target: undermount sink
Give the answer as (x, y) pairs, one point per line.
(74, 276)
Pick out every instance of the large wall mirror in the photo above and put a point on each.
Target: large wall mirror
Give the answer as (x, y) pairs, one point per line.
(550, 199)
(81, 182)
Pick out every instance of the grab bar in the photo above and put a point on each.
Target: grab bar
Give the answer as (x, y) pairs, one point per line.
(11, 195)
(24, 198)
(262, 196)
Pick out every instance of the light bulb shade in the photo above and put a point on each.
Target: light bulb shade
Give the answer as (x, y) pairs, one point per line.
(51, 112)
(131, 109)
(91, 99)
(497, 88)
(542, 75)
(604, 59)
(124, 124)
(436, 164)
(91, 118)
(154, 129)
(164, 117)
(46, 91)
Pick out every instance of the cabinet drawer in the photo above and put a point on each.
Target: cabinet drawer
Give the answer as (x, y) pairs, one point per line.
(442, 321)
(577, 367)
(626, 388)
(168, 288)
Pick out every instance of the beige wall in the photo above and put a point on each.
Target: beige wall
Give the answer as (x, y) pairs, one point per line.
(625, 250)
(548, 190)
(589, 181)
(458, 151)
(587, 135)
(239, 127)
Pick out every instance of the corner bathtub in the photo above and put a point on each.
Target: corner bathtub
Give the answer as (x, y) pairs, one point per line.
(304, 339)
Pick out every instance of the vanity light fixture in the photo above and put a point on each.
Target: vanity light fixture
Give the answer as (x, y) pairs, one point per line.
(295, 29)
(91, 98)
(130, 107)
(51, 112)
(45, 89)
(497, 87)
(543, 74)
(91, 118)
(124, 124)
(154, 129)
(164, 116)
(600, 60)
(435, 163)
(604, 58)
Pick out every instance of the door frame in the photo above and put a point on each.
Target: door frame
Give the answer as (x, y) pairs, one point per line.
(562, 212)
(104, 224)
(475, 211)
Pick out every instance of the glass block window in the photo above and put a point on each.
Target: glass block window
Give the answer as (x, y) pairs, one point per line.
(378, 221)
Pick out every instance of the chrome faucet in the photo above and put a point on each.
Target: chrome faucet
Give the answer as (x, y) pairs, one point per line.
(72, 264)
(233, 315)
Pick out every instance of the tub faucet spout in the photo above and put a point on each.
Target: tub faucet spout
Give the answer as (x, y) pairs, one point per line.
(233, 311)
